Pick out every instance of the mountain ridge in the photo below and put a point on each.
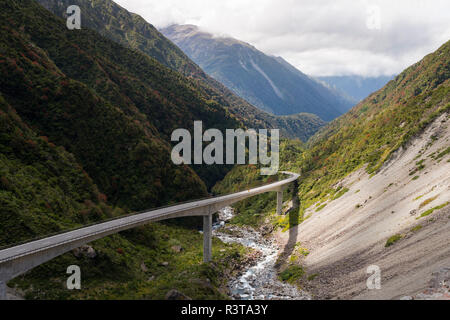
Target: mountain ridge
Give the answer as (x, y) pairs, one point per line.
(130, 30)
(270, 83)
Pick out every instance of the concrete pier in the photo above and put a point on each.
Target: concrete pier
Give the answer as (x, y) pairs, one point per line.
(207, 238)
(2, 290)
(279, 202)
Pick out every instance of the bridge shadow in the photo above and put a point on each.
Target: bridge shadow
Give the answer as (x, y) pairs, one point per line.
(294, 213)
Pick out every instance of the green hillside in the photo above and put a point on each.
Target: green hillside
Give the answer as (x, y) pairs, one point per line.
(131, 30)
(369, 133)
(79, 145)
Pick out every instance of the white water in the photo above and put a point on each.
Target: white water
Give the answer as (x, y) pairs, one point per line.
(259, 281)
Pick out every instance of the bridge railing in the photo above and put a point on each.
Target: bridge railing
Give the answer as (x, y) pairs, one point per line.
(21, 258)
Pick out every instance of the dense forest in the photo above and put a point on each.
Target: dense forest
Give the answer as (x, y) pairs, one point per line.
(130, 30)
(83, 138)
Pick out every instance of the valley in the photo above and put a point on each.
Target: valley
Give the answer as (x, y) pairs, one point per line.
(101, 123)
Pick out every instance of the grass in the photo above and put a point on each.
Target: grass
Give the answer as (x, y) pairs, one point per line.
(393, 240)
(312, 276)
(430, 211)
(116, 274)
(428, 201)
(443, 153)
(341, 193)
(415, 178)
(299, 251)
(321, 207)
(416, 228)
(292, 273)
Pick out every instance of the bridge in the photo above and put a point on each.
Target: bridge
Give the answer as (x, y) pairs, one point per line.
(19, 259)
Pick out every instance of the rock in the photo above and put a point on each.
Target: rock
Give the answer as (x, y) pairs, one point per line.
(438, 286)
(144, 267)
(406, 298)
(176, 295)
(413, 212)
(177, 249)
(151, 278)
(222, 250)
(85, 251)
(440, 278)
(203, 283)
(266, 229)
(165, 264)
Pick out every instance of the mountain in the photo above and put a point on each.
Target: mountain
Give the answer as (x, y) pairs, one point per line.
(84, 126)
(356, 87)
(129, 29)
(112, 107)
(270, 83)
(373, 131)
(373, 191)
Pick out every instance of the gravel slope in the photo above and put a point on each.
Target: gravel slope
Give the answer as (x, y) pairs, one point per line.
(345, 239)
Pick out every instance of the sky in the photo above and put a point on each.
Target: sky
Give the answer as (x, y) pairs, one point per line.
(320, 37)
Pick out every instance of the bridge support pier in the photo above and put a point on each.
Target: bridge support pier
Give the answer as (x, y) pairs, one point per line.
(279, 202)
(207, 238)
(2, 290)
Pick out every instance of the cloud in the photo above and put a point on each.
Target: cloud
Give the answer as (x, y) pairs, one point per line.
(321, 37)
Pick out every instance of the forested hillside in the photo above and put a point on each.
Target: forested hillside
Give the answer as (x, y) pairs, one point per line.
(84, 124)
(131, 30)
(103, 103)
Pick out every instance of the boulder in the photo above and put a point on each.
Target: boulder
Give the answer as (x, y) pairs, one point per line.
(85, 251)
(177, 249)
(176, 295)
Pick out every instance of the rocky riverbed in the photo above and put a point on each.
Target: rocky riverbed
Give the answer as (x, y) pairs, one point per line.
(259, 280)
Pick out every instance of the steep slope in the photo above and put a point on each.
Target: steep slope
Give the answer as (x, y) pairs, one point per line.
(42, 187)
(131, 30)
(374, 190)
(267, 82)
(64, 144)
(397, 220)
(114, 141)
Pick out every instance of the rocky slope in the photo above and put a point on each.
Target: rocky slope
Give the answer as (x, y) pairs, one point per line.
(350, 233)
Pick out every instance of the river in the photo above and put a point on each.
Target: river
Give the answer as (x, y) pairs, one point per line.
(259, 281)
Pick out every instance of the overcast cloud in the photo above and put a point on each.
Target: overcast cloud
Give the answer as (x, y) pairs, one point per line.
(320, 37)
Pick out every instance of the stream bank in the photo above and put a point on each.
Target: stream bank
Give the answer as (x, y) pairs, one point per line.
(259, 281)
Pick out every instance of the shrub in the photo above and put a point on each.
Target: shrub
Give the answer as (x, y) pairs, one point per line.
(292, 273)
(393, 240)
(430, 211)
